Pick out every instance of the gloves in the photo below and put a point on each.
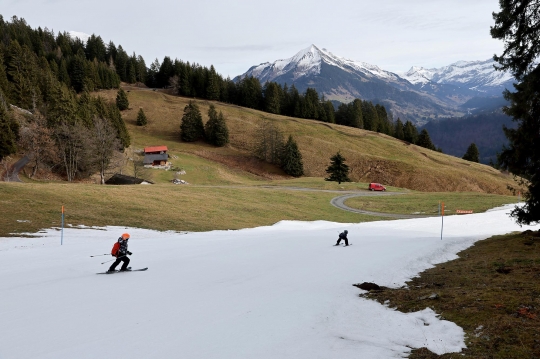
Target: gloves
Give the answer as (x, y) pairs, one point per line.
(129, 253)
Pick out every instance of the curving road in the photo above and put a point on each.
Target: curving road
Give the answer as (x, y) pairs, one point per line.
(339, 202)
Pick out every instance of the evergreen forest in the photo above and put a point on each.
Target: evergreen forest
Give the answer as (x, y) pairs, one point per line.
(55, 77)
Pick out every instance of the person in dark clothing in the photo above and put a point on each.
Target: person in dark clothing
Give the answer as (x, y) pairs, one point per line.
(122, 254)
(343, 235)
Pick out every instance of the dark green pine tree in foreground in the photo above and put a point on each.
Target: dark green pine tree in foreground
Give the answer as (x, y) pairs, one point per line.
(472, 153)
(291, 159)
(517, 25)
(338, 171)
(191, 128)
(216, 130)
(141, 118)
(122, 100)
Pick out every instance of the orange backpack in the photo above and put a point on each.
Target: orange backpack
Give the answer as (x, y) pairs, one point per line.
(115, 249)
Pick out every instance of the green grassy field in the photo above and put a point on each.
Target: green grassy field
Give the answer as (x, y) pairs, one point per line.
(33, 206)
(428, 203)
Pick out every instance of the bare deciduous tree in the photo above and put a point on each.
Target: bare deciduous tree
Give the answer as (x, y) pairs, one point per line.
(74, 145)
(268, 142)
(104, 145)
(38, 140)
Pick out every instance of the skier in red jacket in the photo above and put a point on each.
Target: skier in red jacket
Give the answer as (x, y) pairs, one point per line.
(121, 253)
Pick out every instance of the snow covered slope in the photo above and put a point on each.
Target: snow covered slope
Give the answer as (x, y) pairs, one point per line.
(281, 291)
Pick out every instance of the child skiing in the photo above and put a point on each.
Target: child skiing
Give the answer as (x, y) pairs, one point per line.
(120, 251)
(343, 235)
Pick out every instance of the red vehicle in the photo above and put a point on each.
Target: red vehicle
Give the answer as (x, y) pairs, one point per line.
(376, 187)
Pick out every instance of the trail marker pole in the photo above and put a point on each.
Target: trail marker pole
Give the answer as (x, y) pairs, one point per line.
(519, 196)
(62, 236)
(442, 218)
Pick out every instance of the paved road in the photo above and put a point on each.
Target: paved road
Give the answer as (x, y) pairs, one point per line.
(339, 202)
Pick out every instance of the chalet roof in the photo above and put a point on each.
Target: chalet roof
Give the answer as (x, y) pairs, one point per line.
(118, 179)
(149, 159)
(155, 149)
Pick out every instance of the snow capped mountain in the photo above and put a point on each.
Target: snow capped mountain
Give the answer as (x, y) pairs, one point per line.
(308, 62)
(418, 95)
(81, 35)
(474, 75)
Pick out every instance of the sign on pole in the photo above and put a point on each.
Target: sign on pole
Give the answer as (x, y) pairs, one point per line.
(62, 235)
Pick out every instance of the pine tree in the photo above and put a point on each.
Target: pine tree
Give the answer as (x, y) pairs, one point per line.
(291, 159)
(216, 130)
(221, 131)
(212, 90)
(8, 131)
(517, 25)
(472, 153)
(338, 171)
(410, 133)
(398, 130)
(272, 98)
(141, 118)
(424, 140)
(122, 100)
(191, 128)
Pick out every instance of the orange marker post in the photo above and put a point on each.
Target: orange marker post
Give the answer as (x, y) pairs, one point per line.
(442, 218)
(62, 235)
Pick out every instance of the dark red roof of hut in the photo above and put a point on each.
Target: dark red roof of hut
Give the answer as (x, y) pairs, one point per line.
(154, 149)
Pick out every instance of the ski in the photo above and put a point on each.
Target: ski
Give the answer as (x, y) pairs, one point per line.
(131, 270)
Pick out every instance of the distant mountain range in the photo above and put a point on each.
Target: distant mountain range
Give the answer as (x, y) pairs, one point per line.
(418, 95)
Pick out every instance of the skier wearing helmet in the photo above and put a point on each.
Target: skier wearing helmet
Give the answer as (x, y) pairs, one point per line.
(343, 235)
(121, 253)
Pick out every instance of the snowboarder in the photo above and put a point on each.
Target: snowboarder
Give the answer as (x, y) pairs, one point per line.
(120, 251)
(343, 235)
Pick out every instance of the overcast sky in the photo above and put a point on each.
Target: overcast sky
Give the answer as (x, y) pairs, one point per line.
(236, 34)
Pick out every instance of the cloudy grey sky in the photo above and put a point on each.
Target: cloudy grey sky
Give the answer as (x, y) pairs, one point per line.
(236, 34)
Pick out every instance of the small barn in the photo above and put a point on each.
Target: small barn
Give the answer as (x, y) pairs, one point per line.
(119, 179)
(156, 156)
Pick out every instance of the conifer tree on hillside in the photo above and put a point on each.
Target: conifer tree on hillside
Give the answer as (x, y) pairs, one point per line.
(472, 153)
(9, 131)
(212, 90)
(141, 118)
(398, 130)
(122, 101)
(410, 133)
(272, 98)
(424, 140)
(338, 171)
(369, 113)
(216, 130)
(517, 25)
(291, 159)
(191, 128)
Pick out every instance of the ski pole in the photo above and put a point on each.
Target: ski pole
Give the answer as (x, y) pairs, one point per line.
(97, 255)
(114, 259)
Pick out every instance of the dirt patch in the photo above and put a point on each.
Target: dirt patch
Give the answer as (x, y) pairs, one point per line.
(245, 163)
(492, 291)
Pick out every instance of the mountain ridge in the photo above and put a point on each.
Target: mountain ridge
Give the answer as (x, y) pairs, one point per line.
(422, 94)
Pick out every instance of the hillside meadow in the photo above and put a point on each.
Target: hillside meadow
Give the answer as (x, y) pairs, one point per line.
(372, 157)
